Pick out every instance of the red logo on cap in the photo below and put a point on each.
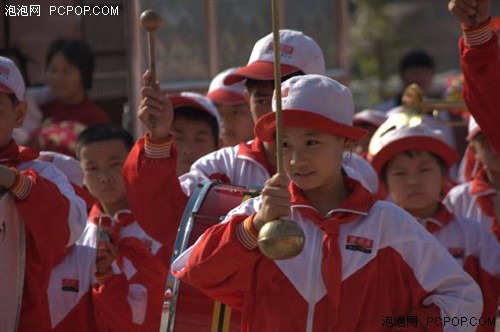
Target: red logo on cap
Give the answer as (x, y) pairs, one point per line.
(284, 92)
(286, 50)
(4, 71)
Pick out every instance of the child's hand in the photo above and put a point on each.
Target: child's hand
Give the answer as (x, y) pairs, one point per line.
(7, 177)
(275, 200)
(155, 111)
(106, 254)
(470, 12)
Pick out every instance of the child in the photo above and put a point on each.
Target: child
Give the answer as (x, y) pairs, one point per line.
(102, 150)
(363, 261)
(368, 120)
(413, 163)
(195, 128)
(478, 199)
(237, 122)
(149, 165)
(54, 216)
(480, 62)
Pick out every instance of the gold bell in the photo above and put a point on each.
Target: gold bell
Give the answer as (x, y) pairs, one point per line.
(281, 239)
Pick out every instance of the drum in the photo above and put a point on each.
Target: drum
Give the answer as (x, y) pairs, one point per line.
(12, 258)
(186, 309)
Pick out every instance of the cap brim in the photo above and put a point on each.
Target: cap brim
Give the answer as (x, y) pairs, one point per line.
(185, 101)
(265, 128)
(224, 97)
(258, 70)
(433, 145)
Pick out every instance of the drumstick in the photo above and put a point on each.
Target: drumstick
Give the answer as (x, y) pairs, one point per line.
(277, 86)
(150, 21)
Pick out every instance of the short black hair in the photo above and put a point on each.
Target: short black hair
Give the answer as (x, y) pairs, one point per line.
(411, 153)
(416, 58)
(78, 53)
(251, 83)
(101, 133)
(191, 113)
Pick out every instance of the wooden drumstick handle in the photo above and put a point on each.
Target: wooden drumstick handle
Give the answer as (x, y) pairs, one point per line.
(150, 21)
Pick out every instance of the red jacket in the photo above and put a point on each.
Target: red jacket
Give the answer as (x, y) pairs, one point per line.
(363, 264)
(54, 218)
(481, 67)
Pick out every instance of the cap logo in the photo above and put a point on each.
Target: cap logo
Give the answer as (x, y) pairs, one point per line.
(284, 92)
(285, 50)
(4, 71)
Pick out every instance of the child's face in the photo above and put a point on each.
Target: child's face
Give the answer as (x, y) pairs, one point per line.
(237, 124)
(485, 153)
(64, 78)
(260, 98)
(102, 164)
(194, 139)
(415, 181)
(312, 158)
(11, 116)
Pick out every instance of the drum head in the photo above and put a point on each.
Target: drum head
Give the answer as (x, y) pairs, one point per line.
(12, 251)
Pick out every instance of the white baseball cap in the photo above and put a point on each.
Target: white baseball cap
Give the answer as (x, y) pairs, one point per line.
(222, 94)
(312, 101)
(398, 139)
(195, 100)
(298, 53)
(370, 116)
(473, 128)
(11, 80)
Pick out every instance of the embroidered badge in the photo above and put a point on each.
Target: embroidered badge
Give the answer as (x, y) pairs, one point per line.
(358, 243)
(70, 285)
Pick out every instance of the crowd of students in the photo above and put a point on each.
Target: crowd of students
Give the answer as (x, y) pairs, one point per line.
(389, 232)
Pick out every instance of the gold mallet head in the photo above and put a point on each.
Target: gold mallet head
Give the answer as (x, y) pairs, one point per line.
(150, 20)
(281, 239)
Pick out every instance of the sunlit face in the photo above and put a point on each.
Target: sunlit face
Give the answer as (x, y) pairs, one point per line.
(11, 116)
(64, 79)
(312, 158)
(420, 75)
(485, 153)
(102, 164)
(260, 99)
(414, 181)
(194, 139)
(237, 124)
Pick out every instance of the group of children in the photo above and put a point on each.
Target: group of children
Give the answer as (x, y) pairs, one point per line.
(385, 238)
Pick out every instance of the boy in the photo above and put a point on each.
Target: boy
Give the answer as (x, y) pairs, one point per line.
(478, 199)
(102, 150)
(412, 163)
(149, 165)
(237, 122)
(363, 260)
(54, 216)
(480, 63)
(195, 128)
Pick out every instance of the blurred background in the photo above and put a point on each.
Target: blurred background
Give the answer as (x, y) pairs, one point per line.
(363, 42)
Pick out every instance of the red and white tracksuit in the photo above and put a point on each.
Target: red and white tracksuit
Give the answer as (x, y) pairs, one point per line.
(363, 262)
(76, 302)
(481, 67)
(474, 200)
(475, 249)
(138, 257)
(54, 218)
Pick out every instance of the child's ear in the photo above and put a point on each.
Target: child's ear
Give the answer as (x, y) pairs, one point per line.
(20, 113)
